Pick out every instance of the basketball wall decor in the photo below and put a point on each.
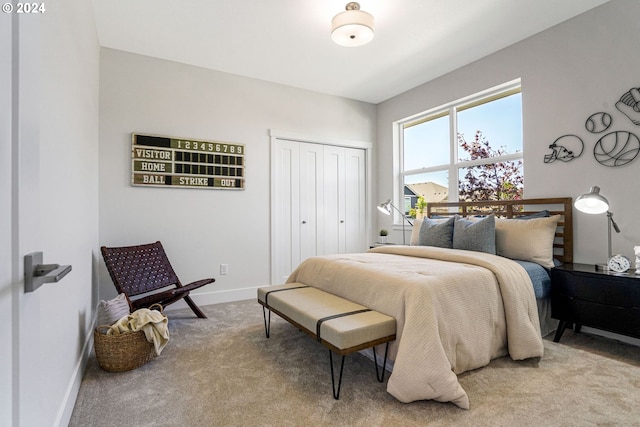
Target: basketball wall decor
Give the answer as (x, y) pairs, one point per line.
(598, 122)
(616, 148)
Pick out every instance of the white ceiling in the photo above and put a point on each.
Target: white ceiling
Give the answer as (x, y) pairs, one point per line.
(288, 41)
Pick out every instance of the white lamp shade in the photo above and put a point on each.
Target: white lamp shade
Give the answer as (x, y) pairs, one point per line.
(385, 207)
(592, 202)
(352, 28)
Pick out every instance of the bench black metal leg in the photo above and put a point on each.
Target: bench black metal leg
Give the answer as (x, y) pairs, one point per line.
(384, 364)
(336, 393)
(267, 323)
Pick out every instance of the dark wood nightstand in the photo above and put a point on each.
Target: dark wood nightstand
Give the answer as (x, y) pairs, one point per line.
(602, 300)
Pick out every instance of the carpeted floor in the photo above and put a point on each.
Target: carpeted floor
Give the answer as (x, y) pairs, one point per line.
(222, 371)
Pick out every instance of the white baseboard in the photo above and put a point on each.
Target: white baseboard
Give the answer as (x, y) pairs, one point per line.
(69, 401)
(611, 335)
(218, 297)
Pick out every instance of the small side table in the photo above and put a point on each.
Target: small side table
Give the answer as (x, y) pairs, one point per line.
(376, 244)
(603, 300)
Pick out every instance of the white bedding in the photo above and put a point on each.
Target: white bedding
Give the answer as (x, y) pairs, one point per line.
(455, 311)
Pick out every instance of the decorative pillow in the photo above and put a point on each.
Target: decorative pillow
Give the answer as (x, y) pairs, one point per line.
(417, 225)
(542, 214)
(111, 311)
(478, 235)
(527, 239)
(436, 232)
(415, 232)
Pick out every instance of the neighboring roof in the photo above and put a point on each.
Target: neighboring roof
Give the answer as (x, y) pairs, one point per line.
(431, 191)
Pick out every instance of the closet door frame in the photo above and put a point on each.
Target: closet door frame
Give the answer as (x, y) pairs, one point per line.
(276, 137)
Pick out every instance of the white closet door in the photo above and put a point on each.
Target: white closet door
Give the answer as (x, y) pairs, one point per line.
(311, 223)
(334, 200)
(355, 230)
(344, 200)
(318, 203)
(286, 210)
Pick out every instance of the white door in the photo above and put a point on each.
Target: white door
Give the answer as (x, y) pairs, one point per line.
(7, 292)
(334, 200)
(318, 203)
(297, 196)
(21, 218)
(49, 203)
(285, 190)
(355, 230)
(311, 195)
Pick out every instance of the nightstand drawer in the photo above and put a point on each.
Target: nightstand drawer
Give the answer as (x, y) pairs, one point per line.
(612, 291)
(624, 320)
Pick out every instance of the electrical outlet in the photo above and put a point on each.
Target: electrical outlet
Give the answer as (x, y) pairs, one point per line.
(224, 269)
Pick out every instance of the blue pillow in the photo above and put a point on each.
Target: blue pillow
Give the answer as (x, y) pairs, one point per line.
(436, 233)
(479, 236)
(542, 214)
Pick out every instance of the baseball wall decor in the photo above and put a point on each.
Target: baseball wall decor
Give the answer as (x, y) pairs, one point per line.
(598, 122)
(160, 161)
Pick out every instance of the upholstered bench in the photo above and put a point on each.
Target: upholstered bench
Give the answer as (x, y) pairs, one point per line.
(339, 324)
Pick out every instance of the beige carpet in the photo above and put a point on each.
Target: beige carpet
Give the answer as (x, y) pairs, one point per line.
(222, 371)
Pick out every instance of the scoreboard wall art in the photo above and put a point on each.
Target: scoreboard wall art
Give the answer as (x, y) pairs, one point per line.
(160, 161)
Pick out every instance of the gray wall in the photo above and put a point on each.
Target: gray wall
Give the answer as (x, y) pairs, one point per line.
(199, 228)
(568, 72)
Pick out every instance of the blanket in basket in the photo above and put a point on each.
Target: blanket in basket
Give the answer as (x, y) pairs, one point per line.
(153, 323)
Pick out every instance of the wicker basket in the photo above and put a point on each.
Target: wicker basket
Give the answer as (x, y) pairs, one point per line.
(123, 352)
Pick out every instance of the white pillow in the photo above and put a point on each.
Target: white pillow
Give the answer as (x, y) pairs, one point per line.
(415, 232)
(527, 239)
(111, 311)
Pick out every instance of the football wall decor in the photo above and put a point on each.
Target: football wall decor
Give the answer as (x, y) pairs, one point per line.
(565, 149)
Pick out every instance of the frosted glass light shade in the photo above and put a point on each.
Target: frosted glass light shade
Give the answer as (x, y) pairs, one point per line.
(592, 202)
(352, 28)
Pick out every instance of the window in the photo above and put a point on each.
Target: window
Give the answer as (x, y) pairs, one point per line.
(470, 149)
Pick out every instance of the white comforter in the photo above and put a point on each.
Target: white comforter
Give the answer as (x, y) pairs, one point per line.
(455, 311)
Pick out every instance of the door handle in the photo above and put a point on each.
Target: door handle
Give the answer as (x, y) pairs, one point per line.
(36, 273)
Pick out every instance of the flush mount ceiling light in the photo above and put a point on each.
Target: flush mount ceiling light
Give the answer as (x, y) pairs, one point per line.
(352, 27)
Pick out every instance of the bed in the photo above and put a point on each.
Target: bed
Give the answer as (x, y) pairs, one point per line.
(456, 304)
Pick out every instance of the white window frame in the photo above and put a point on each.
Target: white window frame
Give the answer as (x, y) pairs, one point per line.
(454, 165)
